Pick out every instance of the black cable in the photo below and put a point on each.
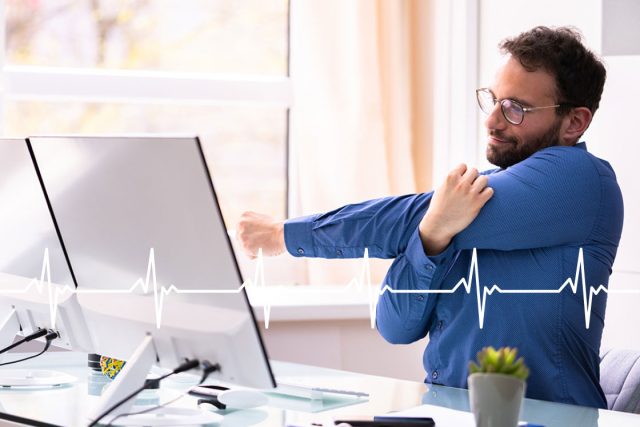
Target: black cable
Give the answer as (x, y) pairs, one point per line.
(208, 369)
(51, 335)
(189, 364)
(37, 334)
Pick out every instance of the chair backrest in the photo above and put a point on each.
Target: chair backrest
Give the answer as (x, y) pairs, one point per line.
(620, 379)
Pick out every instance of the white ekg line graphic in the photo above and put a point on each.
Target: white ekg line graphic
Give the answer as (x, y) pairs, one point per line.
(160, 292)
(481, 297)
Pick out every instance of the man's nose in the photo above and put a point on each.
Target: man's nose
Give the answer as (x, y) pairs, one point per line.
(495, 119)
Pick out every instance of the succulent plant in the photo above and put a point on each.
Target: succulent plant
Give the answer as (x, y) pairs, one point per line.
(501, 361)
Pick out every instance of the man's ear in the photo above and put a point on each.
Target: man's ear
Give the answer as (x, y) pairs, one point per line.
(575, 123)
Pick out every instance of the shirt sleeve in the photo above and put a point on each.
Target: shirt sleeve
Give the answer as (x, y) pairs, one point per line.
(383, 226)
(388, 227)
(404, 313)
(552, 198)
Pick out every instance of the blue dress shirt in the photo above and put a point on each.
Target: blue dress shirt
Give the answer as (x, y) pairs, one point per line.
(527, 237)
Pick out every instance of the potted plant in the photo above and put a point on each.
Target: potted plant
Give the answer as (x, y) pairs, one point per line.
(497, 386)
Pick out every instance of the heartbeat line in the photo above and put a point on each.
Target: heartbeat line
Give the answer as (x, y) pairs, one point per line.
(481, 296)
(54, 293)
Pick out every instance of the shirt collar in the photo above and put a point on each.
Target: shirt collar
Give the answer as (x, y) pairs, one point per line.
(582, 145)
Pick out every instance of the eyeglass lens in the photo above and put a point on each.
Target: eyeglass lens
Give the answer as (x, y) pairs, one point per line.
(511, 110)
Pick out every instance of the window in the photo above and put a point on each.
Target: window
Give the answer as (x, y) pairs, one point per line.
(212, 68)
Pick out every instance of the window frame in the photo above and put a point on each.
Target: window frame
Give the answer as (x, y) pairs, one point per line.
(88, 85)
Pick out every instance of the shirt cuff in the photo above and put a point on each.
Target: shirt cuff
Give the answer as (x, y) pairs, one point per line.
(298, 236)
(425, 265)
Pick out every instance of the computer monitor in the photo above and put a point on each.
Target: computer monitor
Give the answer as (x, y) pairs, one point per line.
(146, 242)
(36, 289)
(26, 226)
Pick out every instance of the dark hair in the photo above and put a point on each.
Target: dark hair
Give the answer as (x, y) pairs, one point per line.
(578, 72)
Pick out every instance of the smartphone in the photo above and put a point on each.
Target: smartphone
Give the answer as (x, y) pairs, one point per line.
(388, 421)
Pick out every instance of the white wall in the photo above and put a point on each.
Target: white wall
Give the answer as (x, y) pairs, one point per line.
(612, 135)
(500, 19)
(621, 27)
(351, 345)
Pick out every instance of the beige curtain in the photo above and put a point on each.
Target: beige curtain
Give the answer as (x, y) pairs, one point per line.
(361, 120)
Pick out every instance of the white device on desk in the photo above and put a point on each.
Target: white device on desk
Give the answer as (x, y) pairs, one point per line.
(36, 290)
(145, 241)
(225, 398)
(314, 393)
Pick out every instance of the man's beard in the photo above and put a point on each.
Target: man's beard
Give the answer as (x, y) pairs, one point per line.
(514, 151)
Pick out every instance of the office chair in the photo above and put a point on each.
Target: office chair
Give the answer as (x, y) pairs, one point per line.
(620, 379)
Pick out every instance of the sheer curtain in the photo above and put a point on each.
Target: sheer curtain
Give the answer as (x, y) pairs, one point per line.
(361, 121)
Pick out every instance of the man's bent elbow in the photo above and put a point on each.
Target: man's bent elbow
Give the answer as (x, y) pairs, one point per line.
(396, 334)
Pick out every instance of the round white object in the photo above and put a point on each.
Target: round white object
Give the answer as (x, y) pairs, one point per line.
(170, 417)
(242, 399)
(34, 378)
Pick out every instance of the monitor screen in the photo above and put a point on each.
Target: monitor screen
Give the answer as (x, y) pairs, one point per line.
(26, 226)
(139, 215)
(36, 287)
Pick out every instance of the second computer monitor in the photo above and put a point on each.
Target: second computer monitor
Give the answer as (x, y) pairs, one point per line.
(140, 215)
(36, 288)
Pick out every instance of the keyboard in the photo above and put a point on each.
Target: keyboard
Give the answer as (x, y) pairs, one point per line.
(314, 393)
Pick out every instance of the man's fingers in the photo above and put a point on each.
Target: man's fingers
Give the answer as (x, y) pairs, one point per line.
(257, 231)
(486, 194)
(479, 184)
(470, 176)
(460, 169)
(246, 248)
(457, 172)
(243, 233)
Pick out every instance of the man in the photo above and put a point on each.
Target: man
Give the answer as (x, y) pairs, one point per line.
(528, 221)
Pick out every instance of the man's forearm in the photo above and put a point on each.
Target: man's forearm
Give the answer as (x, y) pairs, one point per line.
(382, 226)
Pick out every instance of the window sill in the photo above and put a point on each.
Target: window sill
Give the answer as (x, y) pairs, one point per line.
(300, 303)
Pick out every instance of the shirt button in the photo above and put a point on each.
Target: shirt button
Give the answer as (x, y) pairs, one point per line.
(434, 375)
(440, 323)
(300, 251)
(420, 297)
(339, 252)
(429, 267)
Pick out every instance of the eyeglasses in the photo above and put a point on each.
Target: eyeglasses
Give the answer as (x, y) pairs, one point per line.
(512, 110)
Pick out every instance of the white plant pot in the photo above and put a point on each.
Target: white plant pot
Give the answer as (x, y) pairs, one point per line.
(496, 399)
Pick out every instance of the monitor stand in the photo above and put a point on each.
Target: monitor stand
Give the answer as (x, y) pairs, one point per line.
(26, 377)
(8, 328)
(130, 378)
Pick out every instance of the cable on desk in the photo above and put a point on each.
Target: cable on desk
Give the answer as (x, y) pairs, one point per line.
(207, 369)
(50, 336)
(35, 335)
(188, 365)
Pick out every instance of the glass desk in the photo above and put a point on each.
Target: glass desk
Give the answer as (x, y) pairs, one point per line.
(70, 405)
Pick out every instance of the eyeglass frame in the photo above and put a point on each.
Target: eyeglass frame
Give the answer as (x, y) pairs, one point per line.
(519, 104)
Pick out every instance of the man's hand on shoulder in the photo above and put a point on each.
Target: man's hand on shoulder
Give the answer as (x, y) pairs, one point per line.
(256, 231)
(455, 204)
